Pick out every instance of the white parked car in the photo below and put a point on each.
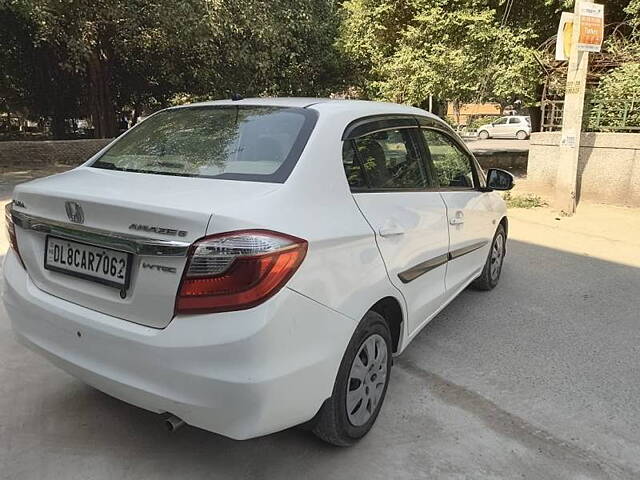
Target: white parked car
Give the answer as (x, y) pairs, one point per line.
(247, 266)
(507, 127)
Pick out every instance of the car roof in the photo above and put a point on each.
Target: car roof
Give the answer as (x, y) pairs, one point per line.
(358, 107)
(300, 102)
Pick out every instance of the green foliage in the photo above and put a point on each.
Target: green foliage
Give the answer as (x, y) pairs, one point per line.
(478, 122)
(523, 201)
(616, 101)
(457, 50)
(633, 10)
(140, 54)
(66, 58)
(622, 83)
(408, 50)
(31, 81)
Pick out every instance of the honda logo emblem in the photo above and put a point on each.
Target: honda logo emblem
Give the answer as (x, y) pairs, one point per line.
(74, 212)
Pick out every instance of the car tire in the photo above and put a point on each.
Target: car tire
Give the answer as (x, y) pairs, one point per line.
(522, 135)
(490, 275)
(483, 135)
(340, 421)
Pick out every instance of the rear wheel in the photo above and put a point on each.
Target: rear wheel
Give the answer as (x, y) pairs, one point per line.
(522, 135)
(361, 385)
(490, 275)
(483, 135)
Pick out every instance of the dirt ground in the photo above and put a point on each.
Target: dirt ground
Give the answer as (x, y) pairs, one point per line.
(600, 231)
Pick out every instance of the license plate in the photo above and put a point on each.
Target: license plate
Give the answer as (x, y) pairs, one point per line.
(98, 264)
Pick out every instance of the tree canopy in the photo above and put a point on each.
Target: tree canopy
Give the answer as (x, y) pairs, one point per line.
(99, 58)
(136, 53)
(457, 50)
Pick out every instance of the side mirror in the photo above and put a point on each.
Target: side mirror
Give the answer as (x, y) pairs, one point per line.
(498, 179)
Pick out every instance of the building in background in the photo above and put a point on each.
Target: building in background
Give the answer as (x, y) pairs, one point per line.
(468, 111)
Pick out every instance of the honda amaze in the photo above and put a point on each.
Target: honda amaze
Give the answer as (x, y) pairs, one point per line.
(247, 266)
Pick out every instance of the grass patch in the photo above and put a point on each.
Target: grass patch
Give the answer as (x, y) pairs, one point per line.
(528, 200)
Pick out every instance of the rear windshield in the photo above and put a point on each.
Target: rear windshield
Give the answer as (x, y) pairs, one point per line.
(230, 142)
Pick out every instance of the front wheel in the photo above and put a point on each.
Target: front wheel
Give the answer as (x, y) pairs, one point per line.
(490, 275)
(361, 385)
(483, 135)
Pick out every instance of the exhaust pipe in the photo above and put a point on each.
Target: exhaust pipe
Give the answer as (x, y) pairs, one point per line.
(173, 423)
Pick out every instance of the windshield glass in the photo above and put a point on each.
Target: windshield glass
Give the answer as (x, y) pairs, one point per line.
(231, 142)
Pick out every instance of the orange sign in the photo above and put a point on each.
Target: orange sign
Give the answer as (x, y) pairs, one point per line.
(591, 27)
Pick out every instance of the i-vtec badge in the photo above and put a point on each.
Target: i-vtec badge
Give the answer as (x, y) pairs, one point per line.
(159, 230)
(158, 268)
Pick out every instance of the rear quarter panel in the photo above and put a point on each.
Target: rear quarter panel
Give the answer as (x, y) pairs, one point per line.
(343, 269)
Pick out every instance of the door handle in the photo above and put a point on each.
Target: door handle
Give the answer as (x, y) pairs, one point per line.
(458, 219)
(390, 231)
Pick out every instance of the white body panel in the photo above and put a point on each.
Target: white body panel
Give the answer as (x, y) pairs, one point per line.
(226, 371)
(416, 231)
(113, 201)
(473, 228)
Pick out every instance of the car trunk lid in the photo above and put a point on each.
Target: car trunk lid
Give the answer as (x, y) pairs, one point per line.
(153, 217)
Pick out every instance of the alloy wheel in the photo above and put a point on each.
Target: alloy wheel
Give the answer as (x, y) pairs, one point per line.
(367, 380)
(497, 256)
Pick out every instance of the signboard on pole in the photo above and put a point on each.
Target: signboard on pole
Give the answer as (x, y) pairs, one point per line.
(591, 27)
(563, 39)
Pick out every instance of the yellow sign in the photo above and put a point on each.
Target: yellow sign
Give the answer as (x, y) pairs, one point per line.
(591, 27)
(565, 34)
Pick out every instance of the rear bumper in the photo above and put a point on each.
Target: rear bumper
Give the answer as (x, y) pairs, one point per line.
(241, 374)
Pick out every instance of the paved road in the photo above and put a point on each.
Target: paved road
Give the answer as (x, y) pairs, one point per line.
(537, 379)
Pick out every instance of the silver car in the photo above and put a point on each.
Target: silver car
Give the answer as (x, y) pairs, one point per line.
(507, 127)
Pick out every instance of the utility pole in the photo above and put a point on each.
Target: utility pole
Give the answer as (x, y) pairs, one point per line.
(567, 174)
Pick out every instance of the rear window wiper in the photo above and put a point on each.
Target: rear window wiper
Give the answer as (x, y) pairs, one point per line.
(106, 166)
(164, 164)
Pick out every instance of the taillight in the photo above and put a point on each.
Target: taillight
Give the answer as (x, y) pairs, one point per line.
(237, 270)
(11, 230)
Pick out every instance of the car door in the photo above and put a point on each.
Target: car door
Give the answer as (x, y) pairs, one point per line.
(392, 187)
(514, 126)
(471, 219)
(500, 128)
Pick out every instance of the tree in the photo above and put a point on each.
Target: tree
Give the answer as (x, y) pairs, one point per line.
(132, 54)
(122, 51)
(278, 47)
(31, 79)
(633, 11)
(458, 50)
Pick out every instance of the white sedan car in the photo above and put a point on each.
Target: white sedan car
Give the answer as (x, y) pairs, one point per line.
(247, 266)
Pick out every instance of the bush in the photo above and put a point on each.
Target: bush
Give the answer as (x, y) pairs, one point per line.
(611, 103)
(523, 201)
(478, 122)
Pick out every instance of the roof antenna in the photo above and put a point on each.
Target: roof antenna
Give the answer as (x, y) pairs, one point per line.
(236, 97)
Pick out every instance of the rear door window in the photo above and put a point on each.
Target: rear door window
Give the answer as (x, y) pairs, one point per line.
(257, 143)
(389, 160)
(352, 169)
